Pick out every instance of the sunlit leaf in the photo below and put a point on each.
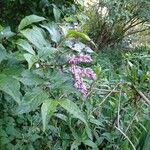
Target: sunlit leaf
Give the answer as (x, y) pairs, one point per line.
(26, 46)
(36, 37)
(31, 59)
(53, 31)
(75, 144)
(57, 13)
(6, 33)
(29, 20)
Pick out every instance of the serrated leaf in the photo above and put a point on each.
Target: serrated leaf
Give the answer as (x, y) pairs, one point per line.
(10, 86)
(47, 52)
(31, 59)
(53, 31)
(29, 20)
(30, 79)
(36, 37)
(26, 46)
(47, 110)
(91, 144)
(32, 100)
(14, 70)
(73, 109)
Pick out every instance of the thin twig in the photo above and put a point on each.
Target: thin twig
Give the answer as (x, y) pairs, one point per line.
(137, 31)
(106, 97)
(118, 112)
(108, 94)
(128, 127)
(126, 137)
(143, 96)
(114, 91)
(133, 25)
(91, 88)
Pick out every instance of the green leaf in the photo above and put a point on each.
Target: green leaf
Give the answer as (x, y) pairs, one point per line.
(53, 31)
(4, 140)
(36, 37)
(10, 86)
(91, 144)
(147, 142)
(3, 53)
(31, 59)
(26, 46)
(29, 20)
(64, 30)
(47, 52)
(96, 122)
(32, 100)
(6, 33)
(89, 132)
(30, 79)
(73, 109)
(57, 13)
(61, 116)
(77, 33)
(14, 70)
(72, 33)
(47, 110)
(75, 144)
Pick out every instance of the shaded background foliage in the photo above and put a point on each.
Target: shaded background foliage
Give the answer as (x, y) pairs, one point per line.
(12, 11)
(110, 21)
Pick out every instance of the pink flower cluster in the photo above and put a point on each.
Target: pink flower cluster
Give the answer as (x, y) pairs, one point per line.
(79, 72)
(80, 58)
(84, 72)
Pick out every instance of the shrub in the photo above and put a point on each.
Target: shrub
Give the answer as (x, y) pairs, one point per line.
(110, 21)
(41, 108)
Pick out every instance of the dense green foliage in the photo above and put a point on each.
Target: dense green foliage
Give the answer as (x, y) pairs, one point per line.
(12, 11)
(40, 106)
(112, 20)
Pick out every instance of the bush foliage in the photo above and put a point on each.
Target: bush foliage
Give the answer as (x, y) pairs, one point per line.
(46, 64)
(110, 21)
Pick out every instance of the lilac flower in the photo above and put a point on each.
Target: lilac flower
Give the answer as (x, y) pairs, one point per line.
(79, 72)
(87, 72)
(80, 86)
(80, 58)
(75, 70)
